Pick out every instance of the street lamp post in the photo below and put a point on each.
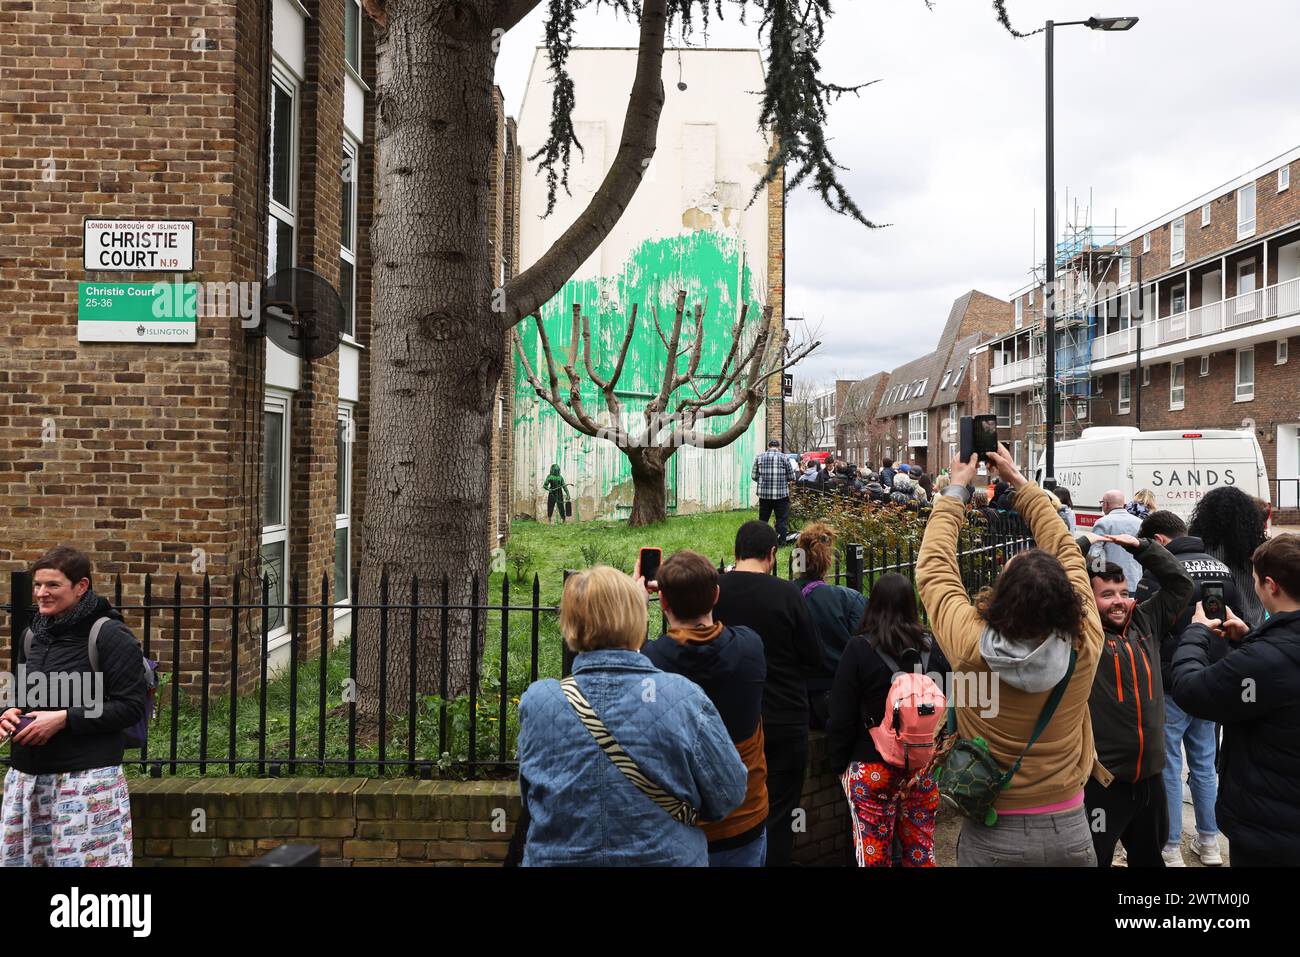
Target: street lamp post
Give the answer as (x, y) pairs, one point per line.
(1109, 24)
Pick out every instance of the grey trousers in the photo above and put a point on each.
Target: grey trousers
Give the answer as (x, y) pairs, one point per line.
(1028, 840)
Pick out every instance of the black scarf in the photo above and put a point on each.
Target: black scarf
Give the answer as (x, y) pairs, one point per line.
(82, 610)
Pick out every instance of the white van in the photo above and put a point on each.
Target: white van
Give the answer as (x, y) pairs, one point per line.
(1178, 465)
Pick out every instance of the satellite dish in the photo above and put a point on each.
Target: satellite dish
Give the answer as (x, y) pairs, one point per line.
(302, 313)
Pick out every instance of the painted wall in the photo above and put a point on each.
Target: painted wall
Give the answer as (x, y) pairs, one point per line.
(688, 228)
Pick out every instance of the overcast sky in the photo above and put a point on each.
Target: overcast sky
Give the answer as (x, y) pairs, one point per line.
(948, 147)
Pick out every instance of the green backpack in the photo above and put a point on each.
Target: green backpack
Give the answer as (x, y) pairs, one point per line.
(967, 775)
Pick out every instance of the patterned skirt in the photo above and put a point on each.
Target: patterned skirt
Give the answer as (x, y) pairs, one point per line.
(77, 819)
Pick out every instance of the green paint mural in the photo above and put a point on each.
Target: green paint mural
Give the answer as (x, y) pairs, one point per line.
(704, 264)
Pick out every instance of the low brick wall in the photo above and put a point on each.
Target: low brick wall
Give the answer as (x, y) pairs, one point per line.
(355, 821)
(364, 822)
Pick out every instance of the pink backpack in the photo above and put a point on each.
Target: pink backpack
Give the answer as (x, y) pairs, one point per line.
(914, 709)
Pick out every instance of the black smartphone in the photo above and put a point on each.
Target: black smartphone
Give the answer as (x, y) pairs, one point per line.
(1212, 600)
(650, 560)
(979, 436)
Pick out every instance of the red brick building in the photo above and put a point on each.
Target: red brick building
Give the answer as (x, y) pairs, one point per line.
(1212, 288)
(225, 455)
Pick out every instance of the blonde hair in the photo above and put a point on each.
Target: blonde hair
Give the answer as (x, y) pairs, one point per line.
(817, 542)
(1146, 498)
(602, 608)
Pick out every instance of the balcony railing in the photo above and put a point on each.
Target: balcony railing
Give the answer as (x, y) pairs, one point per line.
(1271, 302)
(1023, 369)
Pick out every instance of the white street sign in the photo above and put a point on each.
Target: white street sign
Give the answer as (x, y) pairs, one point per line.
(139, 245)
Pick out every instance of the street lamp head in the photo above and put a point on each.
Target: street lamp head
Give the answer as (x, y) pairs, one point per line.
(1111, 24)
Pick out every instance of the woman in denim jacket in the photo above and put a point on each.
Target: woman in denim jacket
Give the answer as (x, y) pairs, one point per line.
(583, 810)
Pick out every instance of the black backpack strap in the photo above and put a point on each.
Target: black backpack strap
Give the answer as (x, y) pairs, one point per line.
(28, 637)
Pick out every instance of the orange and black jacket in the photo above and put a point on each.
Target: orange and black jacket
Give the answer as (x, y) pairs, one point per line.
(1127, 701)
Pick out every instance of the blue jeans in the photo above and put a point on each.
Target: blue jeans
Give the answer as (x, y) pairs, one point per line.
(753, 854)
(1197, 735)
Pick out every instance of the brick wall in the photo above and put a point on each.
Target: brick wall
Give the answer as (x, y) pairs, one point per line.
(775, 287)
(359, 822)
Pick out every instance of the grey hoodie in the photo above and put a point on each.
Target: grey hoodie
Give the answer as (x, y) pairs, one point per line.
(1031, 667)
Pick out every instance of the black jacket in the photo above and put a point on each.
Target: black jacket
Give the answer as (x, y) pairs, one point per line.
(858, 699)
(87, 742)
(1254, 692)
(774, 608)
(730, 669)
(1202, 567)
(1127, 701)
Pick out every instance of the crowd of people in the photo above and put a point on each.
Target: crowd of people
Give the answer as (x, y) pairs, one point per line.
(1107, 656)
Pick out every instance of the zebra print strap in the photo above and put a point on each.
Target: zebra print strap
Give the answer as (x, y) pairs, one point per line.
(676, 808)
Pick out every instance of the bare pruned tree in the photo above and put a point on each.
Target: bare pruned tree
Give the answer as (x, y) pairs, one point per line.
(675, 415)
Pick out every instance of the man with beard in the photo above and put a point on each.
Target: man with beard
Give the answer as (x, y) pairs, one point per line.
(1125, 797)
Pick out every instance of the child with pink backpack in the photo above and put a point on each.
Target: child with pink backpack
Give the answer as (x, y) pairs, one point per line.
(886, 707)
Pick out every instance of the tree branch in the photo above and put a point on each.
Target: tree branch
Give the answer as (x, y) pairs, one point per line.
(660, 401)
(554, 397)
(508, 13)
(526, 292)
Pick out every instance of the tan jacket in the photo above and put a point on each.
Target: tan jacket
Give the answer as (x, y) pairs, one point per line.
(1059, 763)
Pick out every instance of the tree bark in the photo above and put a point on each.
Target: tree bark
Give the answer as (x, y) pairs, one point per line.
(436, 349)
(649, 488)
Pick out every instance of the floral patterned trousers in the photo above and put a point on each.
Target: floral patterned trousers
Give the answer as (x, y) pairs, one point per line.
(880, 807)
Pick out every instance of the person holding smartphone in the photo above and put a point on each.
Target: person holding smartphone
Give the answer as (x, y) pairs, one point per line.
(66, 802)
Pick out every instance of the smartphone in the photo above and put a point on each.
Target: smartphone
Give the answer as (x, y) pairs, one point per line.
(23, 721)
(1212, 600)
(979, 436)
(650, 561)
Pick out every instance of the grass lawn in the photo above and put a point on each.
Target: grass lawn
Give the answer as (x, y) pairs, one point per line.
(534, 549)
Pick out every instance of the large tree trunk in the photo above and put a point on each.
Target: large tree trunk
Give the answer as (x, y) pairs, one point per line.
(435, 351)
(649, 491)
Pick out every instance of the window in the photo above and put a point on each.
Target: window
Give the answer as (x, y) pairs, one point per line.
(1096, 386)
(960, 373)
(1176, 388)
(352, 34)
(1031, 297)
(1125, 392)
(1245, 286)
(1081, 409)
(1178, 299)
(343, 507)
(1205, 215)
(284, 172)
(1020, 312)
(275, 506)
(1205, 365)
(1284, 179)
(1125, 270)
(1015, 453)
(1282, 352)
(1246, 211)
(348, 235)
(943, 384)
(918, 428)
(1017, 407)
(1146, 375)
(1245, 375)
(1146, 242)
(1002, 406)
(1177, 241)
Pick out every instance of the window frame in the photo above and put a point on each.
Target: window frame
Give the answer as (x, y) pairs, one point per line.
(1007, 399)
(1205, 365)
(1177, 370)
(1020, 312)
(1124, 398)
(348, 253)
(1283, 178)
(1016, 411)
(1282, 352)
(355, 68)
(1238, 395)
(1205, 215)
(1125, 270)
(343, 520)
(1146, 242)
(1246, 227)
(277, 211)
(1178, 251)
(281, 403)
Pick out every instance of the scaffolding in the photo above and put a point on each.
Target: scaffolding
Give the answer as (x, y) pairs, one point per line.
(1086, 260)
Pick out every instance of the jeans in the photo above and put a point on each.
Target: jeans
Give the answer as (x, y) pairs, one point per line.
(1197, 735)
(1134, 812)
(1028, 840)
(766, 506)
(753, 854)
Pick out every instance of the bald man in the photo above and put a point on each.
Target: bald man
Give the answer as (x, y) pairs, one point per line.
(1116, 521)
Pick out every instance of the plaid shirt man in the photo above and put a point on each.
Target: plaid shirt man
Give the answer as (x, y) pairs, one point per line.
(773, 472)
